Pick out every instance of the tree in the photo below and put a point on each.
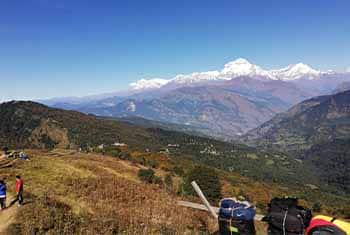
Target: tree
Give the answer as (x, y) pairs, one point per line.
(208, 181)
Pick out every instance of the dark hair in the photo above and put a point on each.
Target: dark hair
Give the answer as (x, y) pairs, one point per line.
(2, 182)
(18, 176)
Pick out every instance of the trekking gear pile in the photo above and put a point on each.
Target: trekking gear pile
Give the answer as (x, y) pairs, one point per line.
(236, 217)
(286, 217)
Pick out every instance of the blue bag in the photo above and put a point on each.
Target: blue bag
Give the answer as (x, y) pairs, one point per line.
(233, 209)
(2, 190)
(236, 217)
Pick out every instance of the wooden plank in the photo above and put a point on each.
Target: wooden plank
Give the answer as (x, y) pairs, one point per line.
(198, 206)
(204, 200)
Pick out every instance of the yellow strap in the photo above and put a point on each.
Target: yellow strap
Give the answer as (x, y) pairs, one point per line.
(233, 229)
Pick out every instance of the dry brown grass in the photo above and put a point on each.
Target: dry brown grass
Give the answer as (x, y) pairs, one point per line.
(93, 194)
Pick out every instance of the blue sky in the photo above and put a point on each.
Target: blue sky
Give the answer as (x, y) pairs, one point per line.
(52, 48)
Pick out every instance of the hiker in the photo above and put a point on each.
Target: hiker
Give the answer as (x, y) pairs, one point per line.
(2, 195)
(19, 190)
(5, 150)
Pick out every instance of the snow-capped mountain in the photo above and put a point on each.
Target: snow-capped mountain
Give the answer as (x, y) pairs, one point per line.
(234, 69)
(242, 67)
(196, 77)
(144, 84)
(296, 71)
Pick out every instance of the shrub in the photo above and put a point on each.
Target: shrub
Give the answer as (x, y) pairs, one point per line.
(157, 180)
(114, 153)
(125, 156)
(48, 142)
(208, 181)
(146, 175)
(178, 171)
(317, 207)
(168, 181)
(149, 176)
(152, 163)
(345, 211)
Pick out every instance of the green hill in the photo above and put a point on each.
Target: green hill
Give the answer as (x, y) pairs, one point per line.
(316, 131)
(313, 121)
(32, 125)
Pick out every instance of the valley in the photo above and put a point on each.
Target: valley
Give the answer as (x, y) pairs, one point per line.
(107, 159)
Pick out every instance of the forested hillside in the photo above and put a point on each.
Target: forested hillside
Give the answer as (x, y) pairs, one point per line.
(316, 131)
(27, 124)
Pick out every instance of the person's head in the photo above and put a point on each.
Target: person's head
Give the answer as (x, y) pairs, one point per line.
(18, 177)
(5, 149)
(2, 182)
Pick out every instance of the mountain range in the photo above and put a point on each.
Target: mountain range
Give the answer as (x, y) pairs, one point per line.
(238, 68)
(223, 104)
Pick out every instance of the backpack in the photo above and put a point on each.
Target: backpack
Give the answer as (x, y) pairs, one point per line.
(325, 225)
(236, 217)
(286, 217)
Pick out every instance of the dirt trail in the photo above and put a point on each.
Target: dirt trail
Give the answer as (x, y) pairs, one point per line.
(7, 217)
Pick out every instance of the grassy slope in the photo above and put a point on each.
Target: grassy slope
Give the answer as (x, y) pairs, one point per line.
(77, 193)
(69, 192)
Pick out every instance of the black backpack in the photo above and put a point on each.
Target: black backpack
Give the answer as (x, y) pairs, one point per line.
(286, 217)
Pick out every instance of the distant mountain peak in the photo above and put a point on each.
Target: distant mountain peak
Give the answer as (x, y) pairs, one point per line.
(196, 77)
(242, 67)
(295, 72)
(301, 68)
(147, 84)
